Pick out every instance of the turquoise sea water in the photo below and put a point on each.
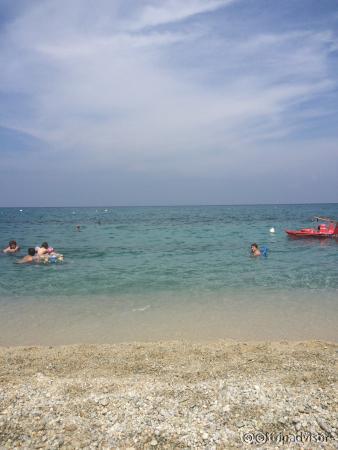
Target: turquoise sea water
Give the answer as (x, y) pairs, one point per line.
(158, 262)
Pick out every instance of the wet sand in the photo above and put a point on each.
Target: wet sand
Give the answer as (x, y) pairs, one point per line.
(221, 394)
(292, 315)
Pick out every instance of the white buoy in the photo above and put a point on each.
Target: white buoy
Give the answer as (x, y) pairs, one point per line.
(272, 230)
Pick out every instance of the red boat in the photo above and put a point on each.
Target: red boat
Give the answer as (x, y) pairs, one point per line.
(323, 230)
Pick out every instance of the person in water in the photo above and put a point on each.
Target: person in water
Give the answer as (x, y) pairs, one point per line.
(255, 250)
(13, 247)
(44, 249)
(30, 257)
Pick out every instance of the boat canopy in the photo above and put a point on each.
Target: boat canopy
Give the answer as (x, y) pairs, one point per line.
(326, 219)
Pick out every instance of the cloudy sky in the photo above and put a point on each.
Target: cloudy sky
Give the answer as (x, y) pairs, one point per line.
(144, 102)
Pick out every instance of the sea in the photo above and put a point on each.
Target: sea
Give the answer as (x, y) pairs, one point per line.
(167, 273)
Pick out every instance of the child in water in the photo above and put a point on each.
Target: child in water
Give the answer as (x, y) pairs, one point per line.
(44, 249)
(12, 247)
(30, 257)
(255, 250)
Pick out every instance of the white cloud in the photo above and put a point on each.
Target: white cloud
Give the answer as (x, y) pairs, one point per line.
(114, 94)
(170, 11)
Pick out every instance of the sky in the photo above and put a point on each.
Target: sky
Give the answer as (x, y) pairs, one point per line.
(144, 102)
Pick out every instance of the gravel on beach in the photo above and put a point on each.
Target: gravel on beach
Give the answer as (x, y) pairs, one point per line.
(222, 394)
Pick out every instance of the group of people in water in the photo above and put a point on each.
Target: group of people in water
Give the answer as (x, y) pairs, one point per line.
(46, 254)
(42, 254)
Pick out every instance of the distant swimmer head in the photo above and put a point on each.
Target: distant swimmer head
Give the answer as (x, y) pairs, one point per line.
(45, 245)
(78, 227)
(255, 250)
(12, 244)
(31, 251)
(272, 230)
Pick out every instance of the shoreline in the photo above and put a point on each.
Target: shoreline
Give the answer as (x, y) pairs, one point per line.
(296, 315)
(169, 394)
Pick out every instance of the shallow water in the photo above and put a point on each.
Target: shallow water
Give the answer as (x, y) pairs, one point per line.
(168, 272)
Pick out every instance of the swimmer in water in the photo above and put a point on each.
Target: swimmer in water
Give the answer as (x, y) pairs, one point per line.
(44, 249)
(78, 228)
(12, 247)
(255, 250)
(30, 257)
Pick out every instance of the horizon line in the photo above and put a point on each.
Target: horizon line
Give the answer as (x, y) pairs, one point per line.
(173, 205)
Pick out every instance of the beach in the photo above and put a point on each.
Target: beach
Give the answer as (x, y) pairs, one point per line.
(160, 331)
(178, 394)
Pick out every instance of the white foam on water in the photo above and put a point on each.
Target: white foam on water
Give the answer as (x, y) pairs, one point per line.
(141, 309)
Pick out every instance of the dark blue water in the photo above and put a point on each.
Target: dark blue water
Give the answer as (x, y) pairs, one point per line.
(135, 258)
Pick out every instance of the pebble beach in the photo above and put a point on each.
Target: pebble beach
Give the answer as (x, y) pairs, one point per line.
(222, 394)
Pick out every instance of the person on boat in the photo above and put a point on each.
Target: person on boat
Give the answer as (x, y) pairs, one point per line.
(30, 257)
(13, 247)
(255, 250)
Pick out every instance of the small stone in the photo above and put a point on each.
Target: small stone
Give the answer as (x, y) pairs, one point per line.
(70, 427)
(205, 436)
(298, 426)
(58, 442)
(153, 443)
(41, 426)
(324, 426)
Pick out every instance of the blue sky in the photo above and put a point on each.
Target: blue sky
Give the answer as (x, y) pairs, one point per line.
(125, 102)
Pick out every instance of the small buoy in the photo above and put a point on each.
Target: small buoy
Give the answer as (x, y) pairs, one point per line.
(272, 230)
(106, 210)
(20, 210)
